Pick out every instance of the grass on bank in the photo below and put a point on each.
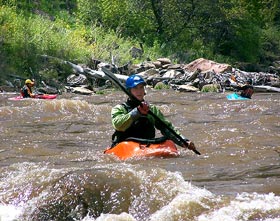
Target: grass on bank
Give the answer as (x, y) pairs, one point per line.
(23, 40)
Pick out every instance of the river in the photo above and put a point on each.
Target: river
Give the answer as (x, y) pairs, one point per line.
(52, 165)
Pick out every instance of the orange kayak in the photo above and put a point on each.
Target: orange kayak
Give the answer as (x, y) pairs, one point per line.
(128, 149)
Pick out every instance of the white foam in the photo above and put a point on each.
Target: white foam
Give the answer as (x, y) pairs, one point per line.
(186, 204)
(111, 217)
(9, 212)
(244, 206)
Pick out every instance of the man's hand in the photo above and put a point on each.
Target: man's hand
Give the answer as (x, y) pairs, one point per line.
(143, 108)
(190, 145)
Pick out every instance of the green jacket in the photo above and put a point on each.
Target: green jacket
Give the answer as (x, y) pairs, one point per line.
(126, 116)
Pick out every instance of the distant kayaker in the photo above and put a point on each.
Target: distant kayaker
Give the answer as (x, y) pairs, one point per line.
(26, 90)
(247, 89)
(132, 120)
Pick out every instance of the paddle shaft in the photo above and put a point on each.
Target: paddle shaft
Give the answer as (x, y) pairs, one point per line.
(116, 81)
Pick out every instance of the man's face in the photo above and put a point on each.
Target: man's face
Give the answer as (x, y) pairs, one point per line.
(138, 92)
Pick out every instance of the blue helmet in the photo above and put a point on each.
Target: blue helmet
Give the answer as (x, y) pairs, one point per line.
(133, 80)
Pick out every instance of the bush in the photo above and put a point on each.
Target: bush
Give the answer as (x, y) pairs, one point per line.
(25, 39)
(161, 85)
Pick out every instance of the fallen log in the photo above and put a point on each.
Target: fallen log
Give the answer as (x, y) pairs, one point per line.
(93, 73)
(100, 74)
(263, 88)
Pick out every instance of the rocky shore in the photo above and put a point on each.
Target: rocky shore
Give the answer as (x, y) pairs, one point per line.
(201, 75)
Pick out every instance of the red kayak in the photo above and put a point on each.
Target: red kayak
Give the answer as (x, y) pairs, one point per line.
(38, 96)
(131, 148)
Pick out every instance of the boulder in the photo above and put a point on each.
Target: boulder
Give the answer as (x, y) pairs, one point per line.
(164, 61)
(171, 74)
(185, 88)
(79, 90)
(76, 80)
(174, 66)
(205, 65)
(157, 64)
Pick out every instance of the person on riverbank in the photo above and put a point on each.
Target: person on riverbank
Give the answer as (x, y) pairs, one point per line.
(26, 90)
(247, 89)
(133, 120)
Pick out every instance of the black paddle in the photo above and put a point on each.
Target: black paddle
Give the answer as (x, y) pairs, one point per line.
(117, 82)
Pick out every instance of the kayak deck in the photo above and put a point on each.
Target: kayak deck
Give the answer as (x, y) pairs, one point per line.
(129, 149)
(235, 96)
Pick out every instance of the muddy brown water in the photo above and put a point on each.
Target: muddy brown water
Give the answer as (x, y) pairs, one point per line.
(52, 164)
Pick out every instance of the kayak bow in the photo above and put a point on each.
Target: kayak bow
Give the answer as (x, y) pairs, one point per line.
(130, 148)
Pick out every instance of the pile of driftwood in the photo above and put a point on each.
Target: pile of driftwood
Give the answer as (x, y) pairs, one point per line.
(200, 75)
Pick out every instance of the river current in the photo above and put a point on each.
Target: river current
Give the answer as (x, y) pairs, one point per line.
(52, 165)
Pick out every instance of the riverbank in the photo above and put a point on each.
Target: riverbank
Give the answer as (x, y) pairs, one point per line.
(201, 75)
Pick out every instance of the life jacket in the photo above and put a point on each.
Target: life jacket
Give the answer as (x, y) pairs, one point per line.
(25, 92)
(141, 128)
(247, 91)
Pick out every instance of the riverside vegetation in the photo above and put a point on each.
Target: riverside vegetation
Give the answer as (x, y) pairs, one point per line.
(245, 34)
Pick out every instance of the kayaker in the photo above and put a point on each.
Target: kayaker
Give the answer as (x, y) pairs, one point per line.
(132, 120)
(26, 90)
(247, 89)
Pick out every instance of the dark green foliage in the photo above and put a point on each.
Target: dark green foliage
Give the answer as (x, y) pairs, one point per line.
(77, 30)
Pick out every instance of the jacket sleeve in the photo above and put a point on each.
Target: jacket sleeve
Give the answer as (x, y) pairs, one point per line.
(121, 119)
